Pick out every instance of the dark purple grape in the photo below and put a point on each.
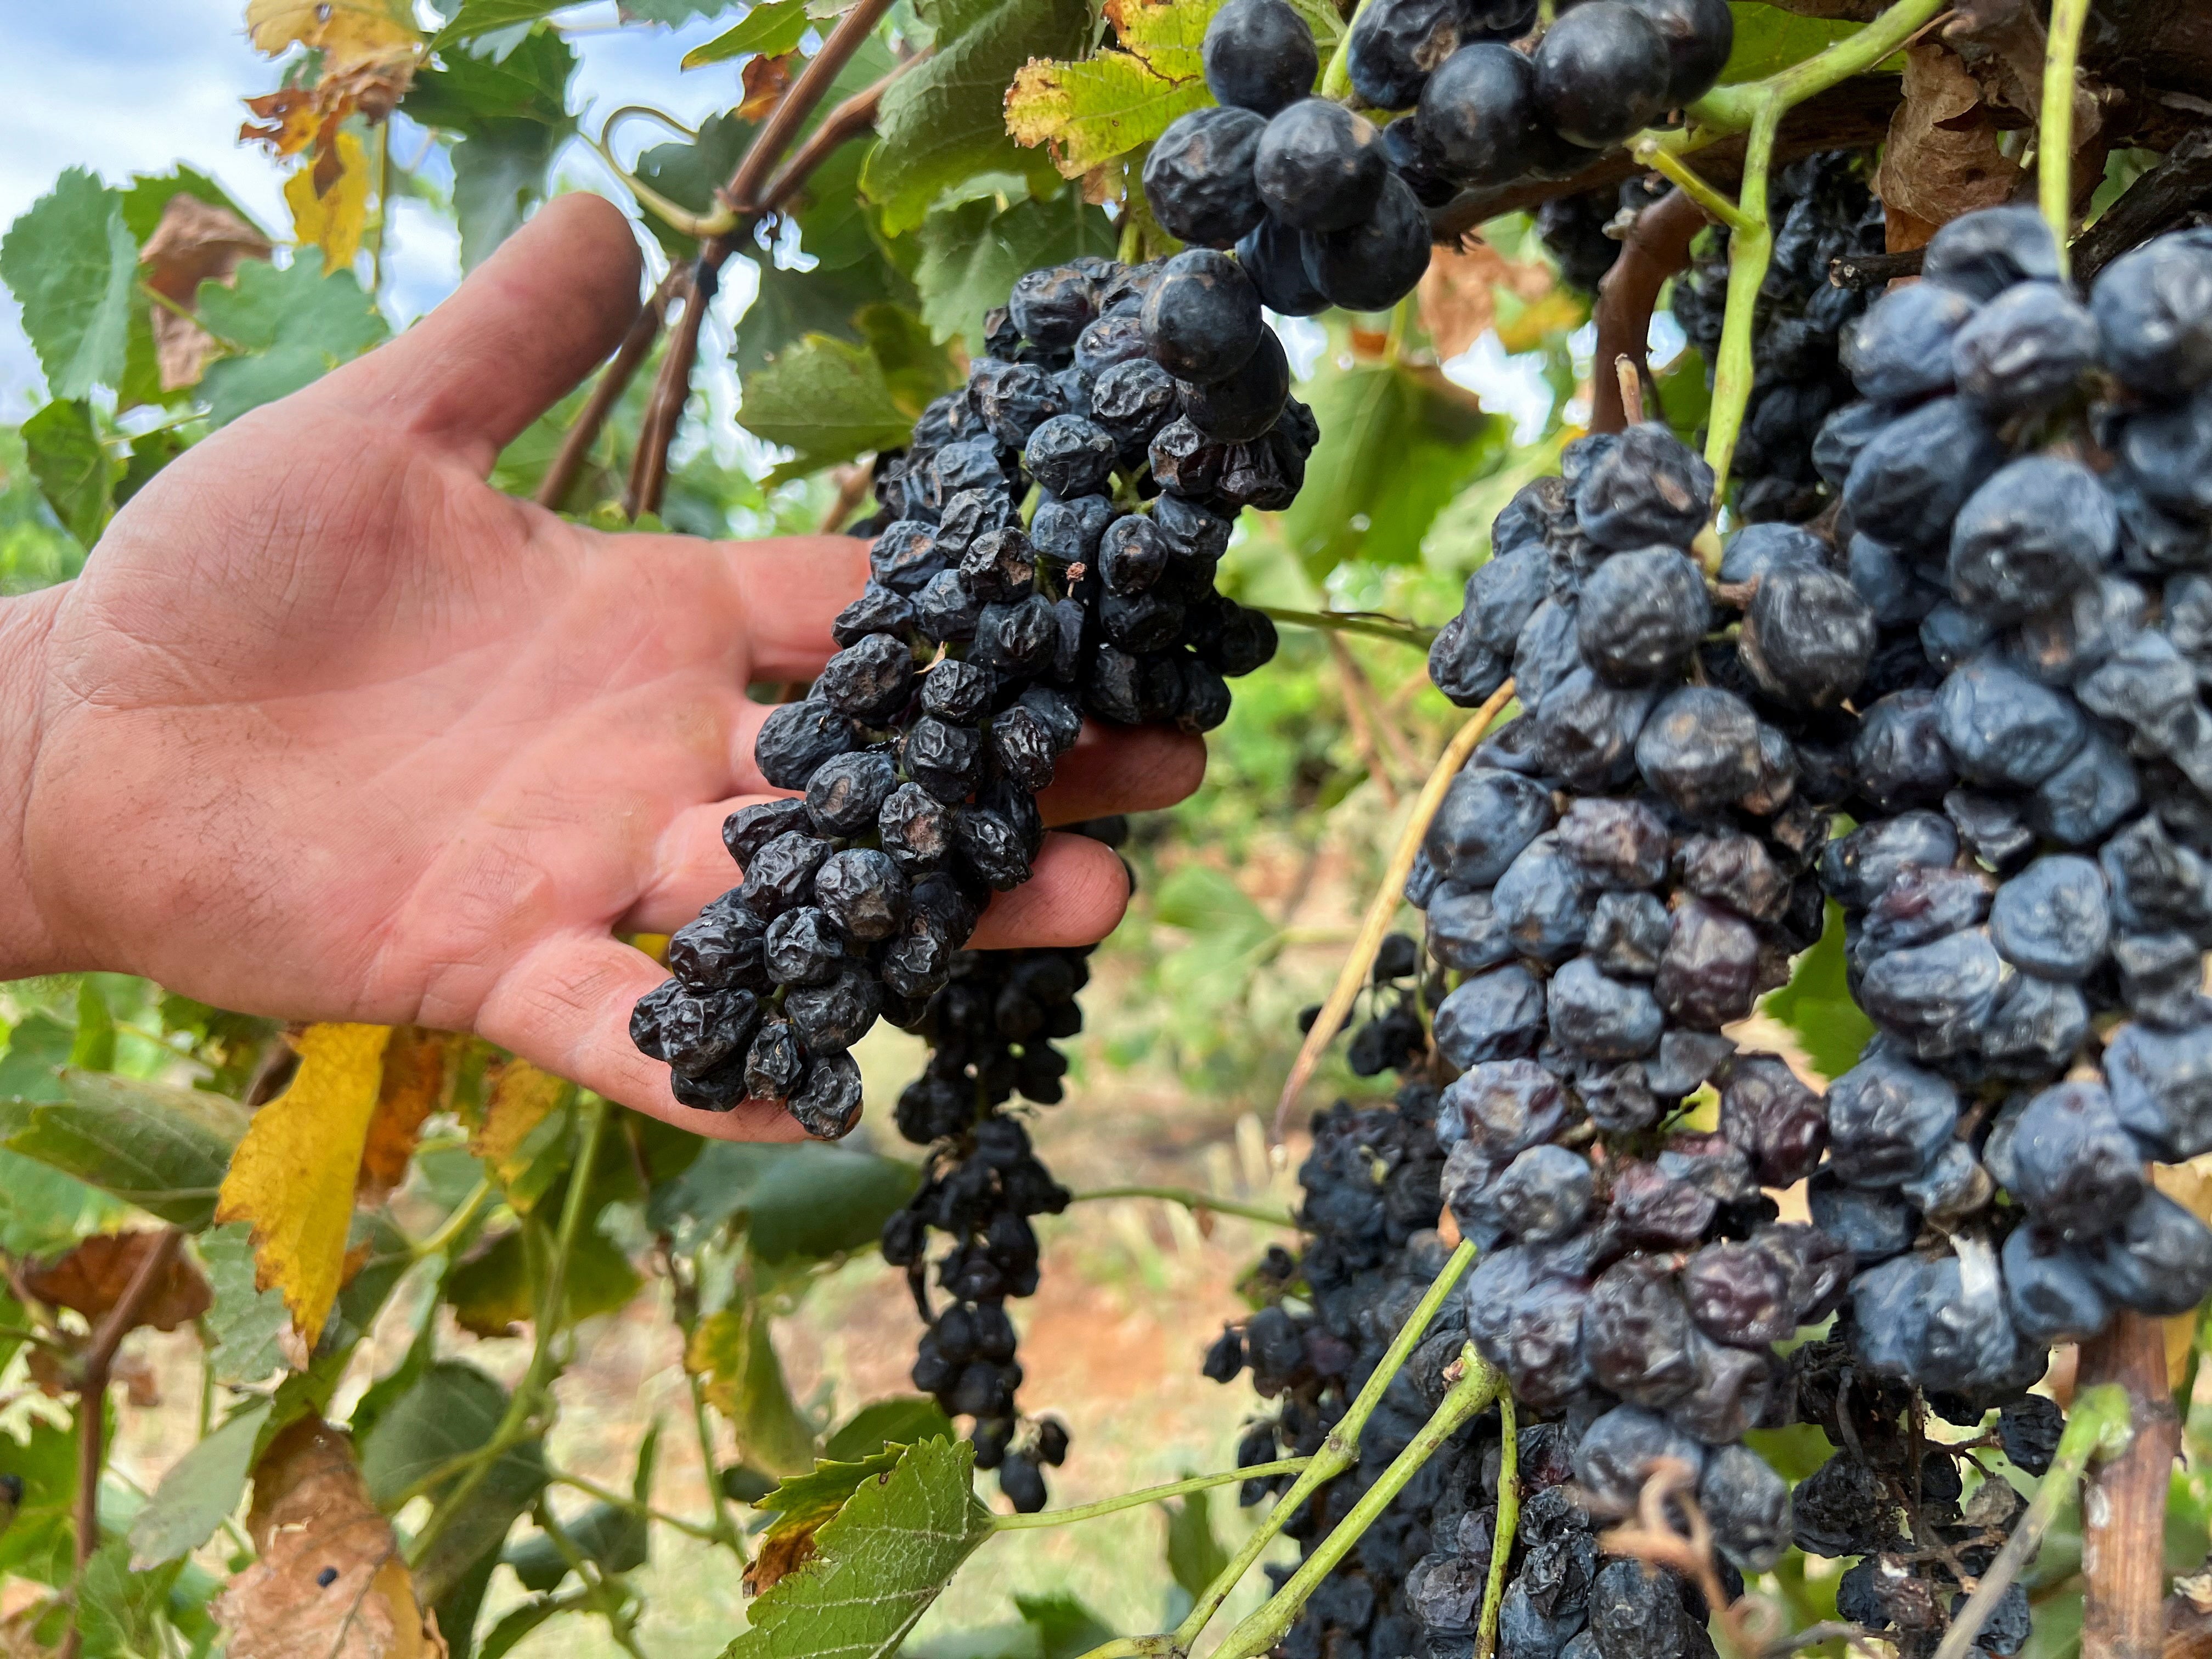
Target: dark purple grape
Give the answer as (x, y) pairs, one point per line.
(1603, 72)
(1259, 55)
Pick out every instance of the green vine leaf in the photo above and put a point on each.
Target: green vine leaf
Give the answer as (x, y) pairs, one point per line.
(947, 119)
(162, 1148)
(1397, 444)
(770, 28)
(293, 325)
(828, 400)
(72, 265)
(199, 1492)
(1769, 39)
(803, 1202)
(877, 1564)
(1816, 1004)
(971, 253)
(477, 17)
(245, 1326)
(452, 1409)
(76, 472)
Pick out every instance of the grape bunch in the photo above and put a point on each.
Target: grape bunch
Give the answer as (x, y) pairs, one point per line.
(1822, 211)
(991, 1031)
(1325, 206)
(2028, 894)
(1043, 553)
(1896, 1498)
(1323, 1321)
(1611, 881)
(1415, 1583)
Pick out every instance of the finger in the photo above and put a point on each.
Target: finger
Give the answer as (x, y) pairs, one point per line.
(691, 868)
(1122, 769)
(1075, 896)
(789, 591)
(566, 1006)
(514, 339)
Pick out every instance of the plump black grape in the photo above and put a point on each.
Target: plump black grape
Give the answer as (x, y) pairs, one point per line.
(1318, 165)
(1259, 55)
(1603, 71)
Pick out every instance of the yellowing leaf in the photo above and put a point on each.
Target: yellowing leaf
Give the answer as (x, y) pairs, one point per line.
(293, 1176)
(416, 1063)
(332, 218)
(330, 1583)
(521, 1098)
(348, 33)
(1109, 104)
(732, 1353)
(1167, 34)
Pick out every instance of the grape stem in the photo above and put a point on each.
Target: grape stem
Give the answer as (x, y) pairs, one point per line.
(2054, 144)
(1336, 78)
(1137, 1500)
(1374, 623)
(1338, 1453)
(1191, 1199)
(2097, 1428)
(1757, 109)
(1389, 896)
(1471, 1396)
(1508, 1523)
(749, 193)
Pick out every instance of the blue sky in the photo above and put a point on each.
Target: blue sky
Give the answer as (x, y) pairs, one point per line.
(137, 86)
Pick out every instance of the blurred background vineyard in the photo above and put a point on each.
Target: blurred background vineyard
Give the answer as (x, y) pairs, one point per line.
(1246, 895)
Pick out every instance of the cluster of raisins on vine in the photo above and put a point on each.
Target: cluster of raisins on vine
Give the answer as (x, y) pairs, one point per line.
(1822, 211)
(1043, 553)
(1326, 207)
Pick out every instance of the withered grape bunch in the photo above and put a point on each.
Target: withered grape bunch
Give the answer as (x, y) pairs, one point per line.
(1043, 554)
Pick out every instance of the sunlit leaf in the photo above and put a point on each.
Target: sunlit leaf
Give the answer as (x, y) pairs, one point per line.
(1095, 108)
(972, 253)
(877, 1564)
(291, 327)
(293, 1176)
(946, 118)
(331, 213)
(71, 263)
(770, 28)
(1816, 1004)
(1769, 39)
(828, 400)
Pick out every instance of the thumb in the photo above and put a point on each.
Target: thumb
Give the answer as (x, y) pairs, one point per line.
(527, 325)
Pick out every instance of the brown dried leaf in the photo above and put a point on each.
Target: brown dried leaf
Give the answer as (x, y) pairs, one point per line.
(1458, 296)
(416, 1065)
(53, 1374)
(330, 1583)
(1942, 158)
(765, 80)
(196, 242)
(780, 1555)
(92, 1277)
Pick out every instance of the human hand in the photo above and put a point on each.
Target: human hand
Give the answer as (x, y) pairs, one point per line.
(330, 729)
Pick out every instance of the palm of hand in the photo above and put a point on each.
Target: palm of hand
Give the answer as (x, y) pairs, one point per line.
(330, 728)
